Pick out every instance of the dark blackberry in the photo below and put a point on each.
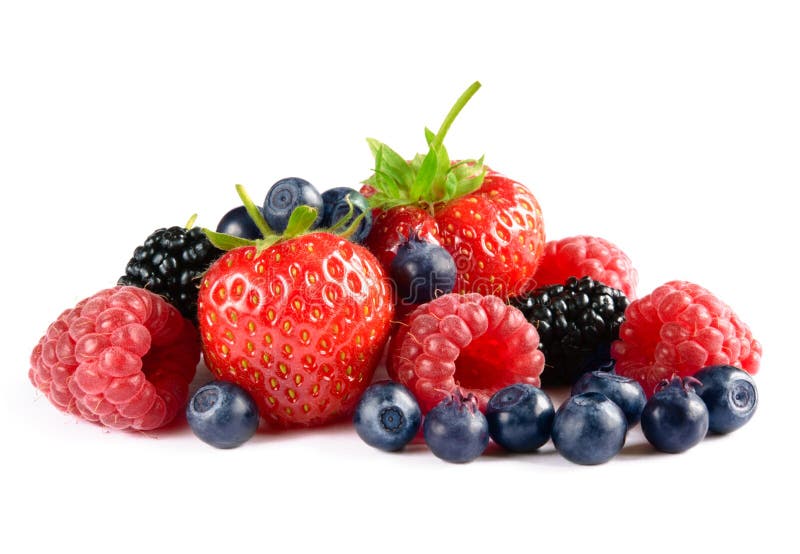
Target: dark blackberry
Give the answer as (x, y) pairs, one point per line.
(577, 322)
(170, 263)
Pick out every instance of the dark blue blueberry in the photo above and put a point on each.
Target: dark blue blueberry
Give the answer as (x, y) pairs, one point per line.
(222, 414)
(387, 416)
(286, 195)
(336, 207)
(675, 418)
(238, 223)
(422, 271)
(624, 392)
(520, 417)
(589, 429)
(455, 430)
(730, 395)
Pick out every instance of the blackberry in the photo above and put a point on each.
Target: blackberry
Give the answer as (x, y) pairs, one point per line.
(577, 322)
(170, 264)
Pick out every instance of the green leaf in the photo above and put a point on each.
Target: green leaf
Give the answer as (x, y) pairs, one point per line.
(469, 176)
(444, 159)
(226, 242)
(392, 164)
(379, 180)
(416, 163)
(378, 200)
(470, 185)
(374, 146)
(384, 202)
(443, 165)
(384, 177)
(429, 136)
(450, 186)
(301, 220)
(390, 178)
(439, 184)
(425, 176)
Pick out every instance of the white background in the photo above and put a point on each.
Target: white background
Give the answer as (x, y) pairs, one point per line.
(671, 129)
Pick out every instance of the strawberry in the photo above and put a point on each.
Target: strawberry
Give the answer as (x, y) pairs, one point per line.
(298, 320)
(490, 224)
(392, 228)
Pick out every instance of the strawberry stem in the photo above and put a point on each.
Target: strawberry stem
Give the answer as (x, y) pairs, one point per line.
(453, 113)
(425, 180)
(254, 213)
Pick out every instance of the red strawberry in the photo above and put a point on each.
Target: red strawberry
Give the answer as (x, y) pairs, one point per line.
(476, 343)
(492, 225)
(299, 323)
(391, 228)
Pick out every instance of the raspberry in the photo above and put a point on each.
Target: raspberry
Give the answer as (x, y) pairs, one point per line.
(473, 342)
(583, 256)
(123, 358)
(678, 329)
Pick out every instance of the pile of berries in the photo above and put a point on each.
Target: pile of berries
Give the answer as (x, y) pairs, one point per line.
(443, 266)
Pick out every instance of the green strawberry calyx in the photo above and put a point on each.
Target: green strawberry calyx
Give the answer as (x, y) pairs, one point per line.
(300, 222)
(427, 179)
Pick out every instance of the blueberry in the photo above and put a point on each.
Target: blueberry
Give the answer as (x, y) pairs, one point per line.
(589, 429)
(422, 271)
(624, 392)
(286, 195)
(455, 430)
(675, 418)
(520, 417)
(336, 207)
(730, 395)
(238, 223)
(222, 414)
(387, 416)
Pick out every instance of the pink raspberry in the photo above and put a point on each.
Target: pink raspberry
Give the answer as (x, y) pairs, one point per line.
(678, 329)
(123, 358)
(476, 343)
(583, 256)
